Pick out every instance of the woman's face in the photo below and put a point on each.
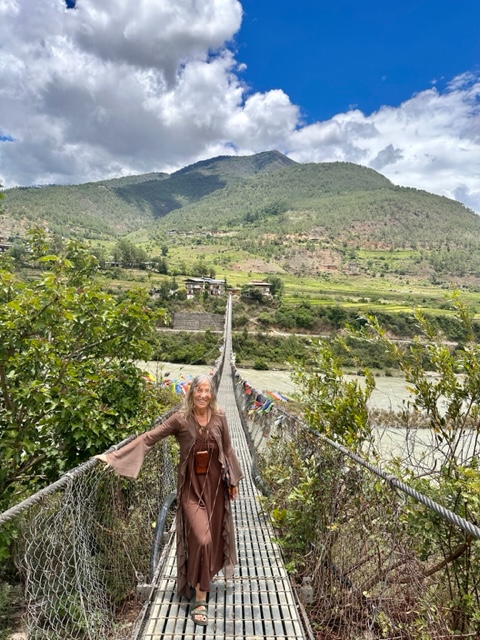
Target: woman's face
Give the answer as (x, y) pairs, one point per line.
(202, 395)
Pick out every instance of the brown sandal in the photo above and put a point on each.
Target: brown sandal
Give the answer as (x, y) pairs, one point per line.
(199, 617)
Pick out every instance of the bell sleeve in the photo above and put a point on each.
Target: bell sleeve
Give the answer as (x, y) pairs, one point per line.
(128, 460)
(235, 473)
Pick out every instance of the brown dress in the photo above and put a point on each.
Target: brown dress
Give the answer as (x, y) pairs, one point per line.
(204, 526)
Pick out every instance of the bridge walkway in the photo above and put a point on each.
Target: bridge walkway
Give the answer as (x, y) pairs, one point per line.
(258, 602)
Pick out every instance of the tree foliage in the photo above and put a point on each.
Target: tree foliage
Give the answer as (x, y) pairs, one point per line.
(444, 380)
(128, 254)
(333, 405)
(250, 292)
(447, 395)
(277, 287)
(69, 387)
(188, 347)
(445, 384)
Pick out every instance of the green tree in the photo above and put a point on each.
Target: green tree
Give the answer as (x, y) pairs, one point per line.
(19, 252)
(100, 254)
(160, 264)
(252, 293)
(277, 287)
(201, 268)
(128, 254)
(164, 291)
(69, 387)
(333, 405)
(449, 403)
(449, 400)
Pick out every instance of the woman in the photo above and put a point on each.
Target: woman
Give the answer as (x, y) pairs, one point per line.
(208, 475)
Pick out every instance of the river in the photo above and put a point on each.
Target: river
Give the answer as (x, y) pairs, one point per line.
(390, 392)
(416, 445)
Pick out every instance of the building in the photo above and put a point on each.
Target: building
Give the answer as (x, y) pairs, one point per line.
(5, 246)
(264, 287)
(195, 286)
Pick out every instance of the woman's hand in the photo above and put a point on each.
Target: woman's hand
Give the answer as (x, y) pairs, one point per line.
(102, 457)
(233, 492)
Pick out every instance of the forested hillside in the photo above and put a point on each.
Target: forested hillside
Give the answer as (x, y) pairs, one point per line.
(337, 201)
(116, 207)
(264, 193)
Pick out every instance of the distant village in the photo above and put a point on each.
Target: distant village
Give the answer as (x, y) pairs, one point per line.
(195, 286)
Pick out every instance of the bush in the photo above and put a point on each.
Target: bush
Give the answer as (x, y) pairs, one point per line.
(265, 319)
(240, 320)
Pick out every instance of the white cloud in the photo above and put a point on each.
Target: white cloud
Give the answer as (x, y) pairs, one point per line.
(431, 141)
(129, 86)
(151, 34)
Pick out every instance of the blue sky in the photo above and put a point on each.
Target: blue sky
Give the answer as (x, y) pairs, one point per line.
(330, 56)
(92, 90)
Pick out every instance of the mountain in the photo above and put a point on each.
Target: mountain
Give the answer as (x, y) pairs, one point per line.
(340, 201)
(266, 193)
(239, 166)
(119, 206)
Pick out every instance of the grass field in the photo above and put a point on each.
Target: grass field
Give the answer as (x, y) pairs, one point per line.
(376, 282)
(388, 295)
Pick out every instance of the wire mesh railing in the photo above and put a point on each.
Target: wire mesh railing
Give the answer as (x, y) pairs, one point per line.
(83, 547)
(370, 556)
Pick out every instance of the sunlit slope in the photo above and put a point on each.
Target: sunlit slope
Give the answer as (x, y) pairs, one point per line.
(342, 201)
(120, 206)
(266, 193)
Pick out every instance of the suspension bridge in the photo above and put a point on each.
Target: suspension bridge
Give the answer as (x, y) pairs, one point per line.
(91, 571)
(258, 602)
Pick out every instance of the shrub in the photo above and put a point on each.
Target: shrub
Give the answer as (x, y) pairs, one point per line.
(261, 365)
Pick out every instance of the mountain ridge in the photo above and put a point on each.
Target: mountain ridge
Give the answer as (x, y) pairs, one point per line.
(266, 192)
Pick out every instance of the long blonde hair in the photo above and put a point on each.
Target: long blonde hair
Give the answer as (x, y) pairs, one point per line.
(189, 406)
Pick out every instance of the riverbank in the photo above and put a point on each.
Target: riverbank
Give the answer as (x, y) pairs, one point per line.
(390, 393)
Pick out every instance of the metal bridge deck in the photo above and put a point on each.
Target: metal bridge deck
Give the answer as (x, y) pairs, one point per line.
(258, 602)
